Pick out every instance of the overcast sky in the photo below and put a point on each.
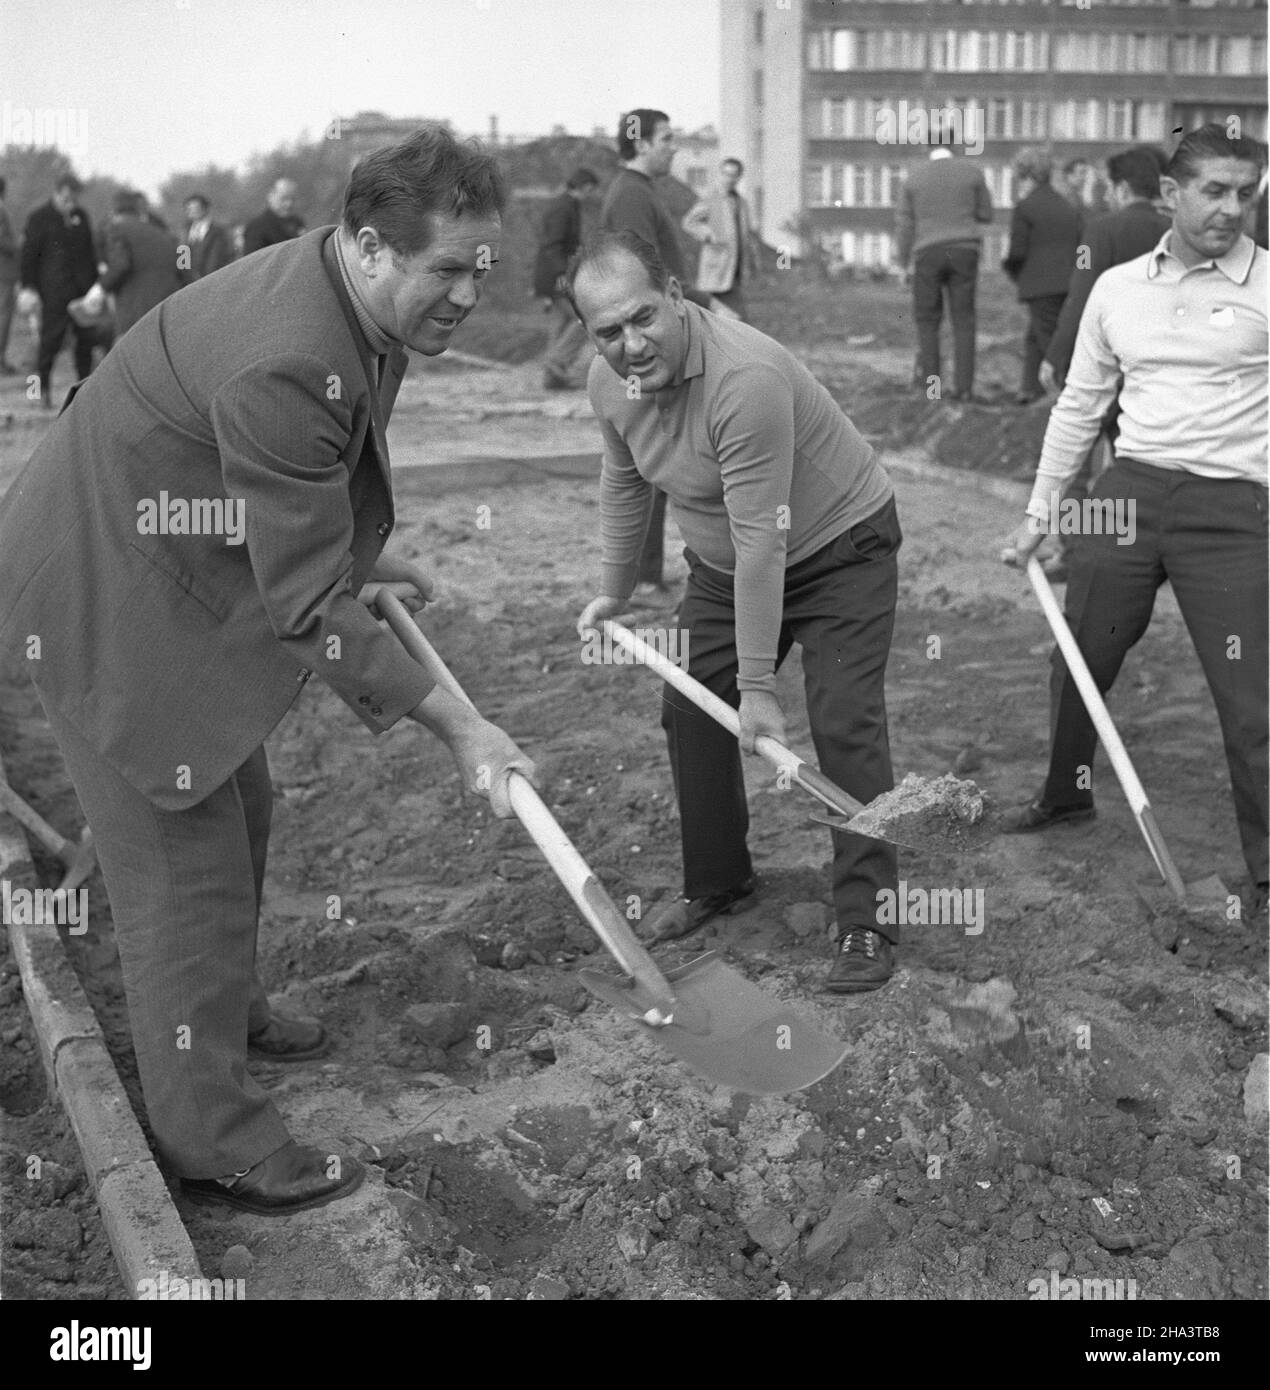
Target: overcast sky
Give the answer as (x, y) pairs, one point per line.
(141, 88)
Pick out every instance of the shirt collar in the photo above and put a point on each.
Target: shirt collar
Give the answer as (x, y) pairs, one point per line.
(694, 363)
(376, 338)
(1234, 265)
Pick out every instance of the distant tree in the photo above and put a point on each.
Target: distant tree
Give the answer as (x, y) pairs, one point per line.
(30, 171)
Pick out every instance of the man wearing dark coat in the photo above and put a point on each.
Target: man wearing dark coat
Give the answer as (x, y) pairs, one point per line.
(277, 223)
(59, 265)
(198, 534)
(1044, 235)
(559, 237)
(142, 263)
(208, 240)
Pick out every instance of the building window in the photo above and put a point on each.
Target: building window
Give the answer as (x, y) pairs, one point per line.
(843, 55)
(814, 186)
(758, 87)
(1195, 53)
(758, 25)
(1000, 119)
(818, 50)
(1150, 121)
(1119, 124)
(1033, 120)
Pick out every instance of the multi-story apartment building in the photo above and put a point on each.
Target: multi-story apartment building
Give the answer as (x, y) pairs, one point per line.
(823, 98)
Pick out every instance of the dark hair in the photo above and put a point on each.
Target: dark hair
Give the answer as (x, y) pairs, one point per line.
(200, 198)
(603, 247)
(638, 124)
(1139, 168)
(127, 202)
(1211, 142)
(732, 159)
(67, 181)
(582, 177)
(1033, 163)
(1072, 163)
(394, 189)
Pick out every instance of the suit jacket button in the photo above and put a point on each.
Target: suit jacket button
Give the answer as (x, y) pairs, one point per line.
(383, 528)
(363, 699)
(374, 709)
(303, 674)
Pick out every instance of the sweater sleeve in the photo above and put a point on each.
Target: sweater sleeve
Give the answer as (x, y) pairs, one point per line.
(753, 438)
(1092, 384)
(626, 501)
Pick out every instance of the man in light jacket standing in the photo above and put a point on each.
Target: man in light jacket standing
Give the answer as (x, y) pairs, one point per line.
(721, 222)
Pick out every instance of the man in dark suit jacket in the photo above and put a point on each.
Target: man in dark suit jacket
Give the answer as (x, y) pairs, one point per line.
(142, 263)
(191, 542)
(558, 238)
(1131, 230)
(1044, 235)
(59, 265)
(207, 240)
(277, 223)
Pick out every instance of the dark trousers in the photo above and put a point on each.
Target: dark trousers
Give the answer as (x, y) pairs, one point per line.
(1207, 537)
(951, 268)
(8, 296)
(840, 605)
(652, 556)
(54, 321)
(1042, 320)
(184, 892)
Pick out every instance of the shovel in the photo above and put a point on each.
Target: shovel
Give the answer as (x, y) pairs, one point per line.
(1134, 792)
(710, 1017)
(79, 859)
(845, 807)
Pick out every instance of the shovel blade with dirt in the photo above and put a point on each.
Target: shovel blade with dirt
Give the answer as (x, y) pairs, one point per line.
(704, 1013)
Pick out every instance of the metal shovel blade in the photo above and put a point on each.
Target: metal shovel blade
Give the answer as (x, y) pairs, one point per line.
(728, 1030)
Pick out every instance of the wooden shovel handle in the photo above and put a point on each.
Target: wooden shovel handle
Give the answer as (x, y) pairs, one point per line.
(1134, 791)
(572, 870)
(783, 759)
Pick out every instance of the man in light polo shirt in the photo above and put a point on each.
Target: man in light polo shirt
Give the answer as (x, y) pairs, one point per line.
(1186, 326)
(791, 536)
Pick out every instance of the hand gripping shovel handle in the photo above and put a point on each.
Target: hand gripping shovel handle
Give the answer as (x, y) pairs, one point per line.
(1134, 791)
(783, 759)
(656, 996)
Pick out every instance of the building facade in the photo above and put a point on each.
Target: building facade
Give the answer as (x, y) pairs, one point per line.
(829, 101)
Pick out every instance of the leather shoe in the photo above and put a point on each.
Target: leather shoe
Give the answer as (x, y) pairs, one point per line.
(295, 1178)
(288, 1040)
(1037, 815)
(866, 960)
(685, 915)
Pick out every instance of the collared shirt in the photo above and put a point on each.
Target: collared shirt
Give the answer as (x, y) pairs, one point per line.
(379, 342)
(761, 467)
(198, 230)
(1191, 344)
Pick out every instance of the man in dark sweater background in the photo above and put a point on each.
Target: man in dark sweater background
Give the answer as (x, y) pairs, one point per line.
(646, 146)
(938, 224)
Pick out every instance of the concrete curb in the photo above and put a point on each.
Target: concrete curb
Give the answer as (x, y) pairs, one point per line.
(141, 1220)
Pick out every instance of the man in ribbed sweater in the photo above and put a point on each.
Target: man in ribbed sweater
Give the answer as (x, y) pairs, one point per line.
(791, 535)
(938, 223)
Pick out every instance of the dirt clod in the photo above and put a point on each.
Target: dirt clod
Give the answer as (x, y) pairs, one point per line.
(927, 810)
